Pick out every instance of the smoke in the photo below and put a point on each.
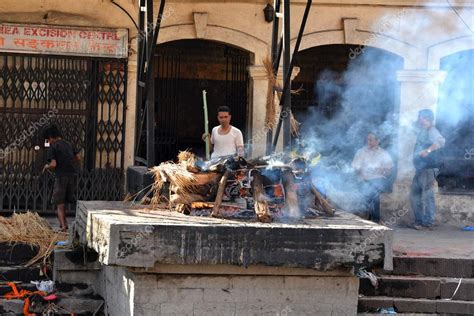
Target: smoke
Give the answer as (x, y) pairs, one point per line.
(365, 97)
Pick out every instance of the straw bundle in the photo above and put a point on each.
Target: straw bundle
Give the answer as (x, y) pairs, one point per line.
(188, 160)
(270, 115)
(30, 229)
(271, 108)
(176, 174)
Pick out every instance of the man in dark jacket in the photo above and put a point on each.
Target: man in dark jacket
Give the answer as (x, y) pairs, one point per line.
(428, 141)
(63, 160)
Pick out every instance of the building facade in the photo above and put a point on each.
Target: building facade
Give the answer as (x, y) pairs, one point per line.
(361, 65)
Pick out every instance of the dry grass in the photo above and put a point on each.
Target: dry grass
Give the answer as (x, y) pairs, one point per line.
(176, 174)
(271, 105)
(30, 229)
(270, 114)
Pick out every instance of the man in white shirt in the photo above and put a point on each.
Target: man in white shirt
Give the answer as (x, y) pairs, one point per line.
(226, 139)
(373, 165)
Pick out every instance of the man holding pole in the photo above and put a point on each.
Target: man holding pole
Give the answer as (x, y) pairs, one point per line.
(225, 139)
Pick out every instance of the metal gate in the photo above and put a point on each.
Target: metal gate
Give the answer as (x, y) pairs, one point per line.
(169, 92)
(86, 99)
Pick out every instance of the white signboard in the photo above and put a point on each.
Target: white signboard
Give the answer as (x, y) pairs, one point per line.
(61, 40)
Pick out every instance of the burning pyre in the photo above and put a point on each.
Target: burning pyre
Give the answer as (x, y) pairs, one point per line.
(276, 186)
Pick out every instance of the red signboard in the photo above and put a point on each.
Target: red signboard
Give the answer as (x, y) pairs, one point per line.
(64, 40)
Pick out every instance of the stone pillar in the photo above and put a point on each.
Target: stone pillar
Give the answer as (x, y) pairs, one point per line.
(256, 141)
(130, 119)
(419, 90)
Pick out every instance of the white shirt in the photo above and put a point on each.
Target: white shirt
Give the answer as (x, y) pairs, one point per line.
(370, 162)
(225, 145)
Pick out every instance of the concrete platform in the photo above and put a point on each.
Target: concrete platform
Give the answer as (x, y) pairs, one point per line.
(143, 238)
(164, 263)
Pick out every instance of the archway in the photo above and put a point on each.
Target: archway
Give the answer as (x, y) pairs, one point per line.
(455, 115)
(345, 93)
(183, 69)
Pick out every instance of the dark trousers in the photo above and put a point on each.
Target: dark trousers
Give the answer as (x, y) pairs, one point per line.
(372, 189)
(422, 196)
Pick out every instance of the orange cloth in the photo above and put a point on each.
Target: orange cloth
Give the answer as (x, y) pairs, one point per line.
(24, 295)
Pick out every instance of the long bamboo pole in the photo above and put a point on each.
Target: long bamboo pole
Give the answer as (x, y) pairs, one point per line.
(206, 125)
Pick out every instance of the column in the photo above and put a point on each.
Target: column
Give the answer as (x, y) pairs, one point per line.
(255, 145)
(419, 89)
(130, 119)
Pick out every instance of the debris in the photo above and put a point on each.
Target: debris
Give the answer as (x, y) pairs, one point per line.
(364, 274)
(44, 286)
(387, 310)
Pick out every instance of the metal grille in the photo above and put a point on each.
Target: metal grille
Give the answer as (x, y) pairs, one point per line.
(174, 81)
(167, 109)
(237, 83)
(85, 98)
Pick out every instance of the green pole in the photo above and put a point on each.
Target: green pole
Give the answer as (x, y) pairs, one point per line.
(206, 125)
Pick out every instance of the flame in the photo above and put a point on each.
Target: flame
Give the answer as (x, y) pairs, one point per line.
(201, 205)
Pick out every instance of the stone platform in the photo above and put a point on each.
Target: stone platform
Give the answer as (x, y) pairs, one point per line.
(144, 238)
(156, 262)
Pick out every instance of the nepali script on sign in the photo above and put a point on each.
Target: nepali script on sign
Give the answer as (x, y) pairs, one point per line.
(64, 40)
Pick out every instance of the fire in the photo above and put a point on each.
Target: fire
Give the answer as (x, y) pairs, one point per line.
(201, 205)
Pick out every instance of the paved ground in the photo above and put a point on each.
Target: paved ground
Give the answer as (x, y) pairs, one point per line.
(439, 243)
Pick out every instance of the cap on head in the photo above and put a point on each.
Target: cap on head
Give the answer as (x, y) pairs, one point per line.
(426, 114)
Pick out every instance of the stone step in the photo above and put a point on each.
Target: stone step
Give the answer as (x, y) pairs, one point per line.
(4, 288)
(68, 305)
(402, 314)
(413, 305)
(436, 267)
(419, 287)
(20, 273)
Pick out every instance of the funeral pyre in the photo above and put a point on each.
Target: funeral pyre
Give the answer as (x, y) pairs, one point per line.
(273, 187)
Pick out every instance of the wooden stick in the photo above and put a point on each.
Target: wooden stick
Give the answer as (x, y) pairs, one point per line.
(260, 202)
(291, 199)
(220, 194)
(322, 201)
(206, 125)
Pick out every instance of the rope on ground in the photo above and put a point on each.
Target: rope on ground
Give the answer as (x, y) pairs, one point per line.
(455, 291)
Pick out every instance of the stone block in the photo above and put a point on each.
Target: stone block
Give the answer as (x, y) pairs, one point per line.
(192, 282)
(226, 295)
(403, 286)
(125, 237)
(251, 309)
(464, 293)
(177, 309)
(455, 307)
(442, 267)
(368, 304)
(414, 305)
(214, 309)
(261, 282)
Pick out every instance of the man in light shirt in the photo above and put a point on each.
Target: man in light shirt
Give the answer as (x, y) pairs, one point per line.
(372, 164)
(226, 140)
